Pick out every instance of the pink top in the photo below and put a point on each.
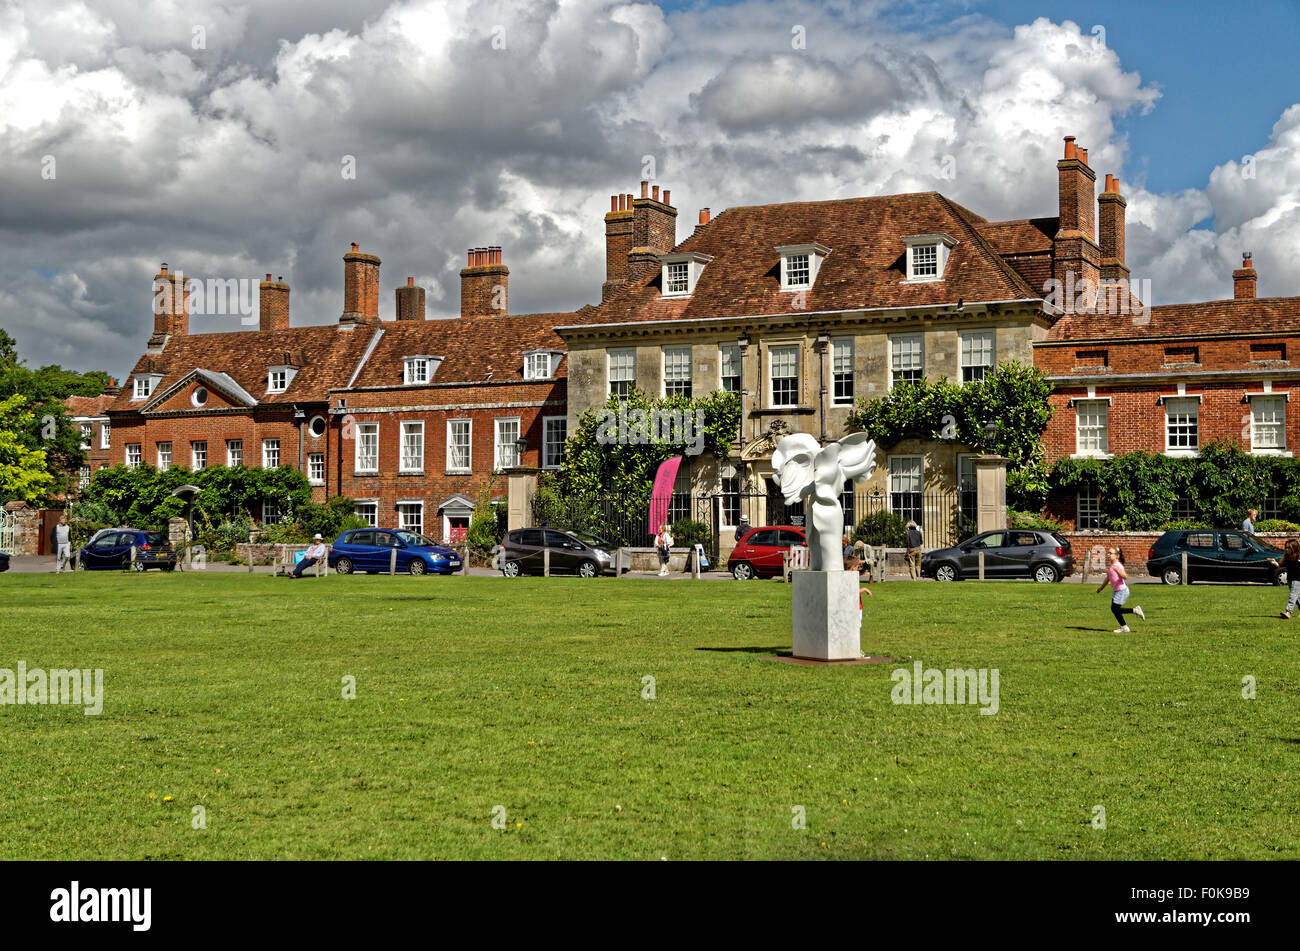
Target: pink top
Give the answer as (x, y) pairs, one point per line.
(1112, 575)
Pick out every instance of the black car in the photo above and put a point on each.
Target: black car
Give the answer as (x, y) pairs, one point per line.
(4, 561)
(111, 548)
(1214, 555)
(585, 555)
(1013, 553)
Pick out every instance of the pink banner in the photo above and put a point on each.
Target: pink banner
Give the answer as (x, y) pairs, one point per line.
(663, 491)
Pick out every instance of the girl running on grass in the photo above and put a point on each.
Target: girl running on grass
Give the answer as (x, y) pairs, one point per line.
(1291, 565)
(1118, 580)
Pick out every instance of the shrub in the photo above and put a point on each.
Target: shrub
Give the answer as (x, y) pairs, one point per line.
(484, 532)
(1181, 525)
(1276, 525)
(688, 531)
(1042, 522)
(880, 528)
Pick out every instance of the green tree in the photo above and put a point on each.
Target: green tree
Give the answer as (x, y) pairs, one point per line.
(24, 474)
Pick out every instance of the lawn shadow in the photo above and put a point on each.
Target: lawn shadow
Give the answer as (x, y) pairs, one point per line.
(781, 649)
(1100, 630)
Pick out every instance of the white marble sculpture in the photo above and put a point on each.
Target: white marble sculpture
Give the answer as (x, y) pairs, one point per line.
(805, 469)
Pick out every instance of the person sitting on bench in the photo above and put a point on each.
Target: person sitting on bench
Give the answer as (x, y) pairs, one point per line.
(314, 554)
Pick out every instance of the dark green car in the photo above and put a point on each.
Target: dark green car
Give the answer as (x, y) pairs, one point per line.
(1214, 555)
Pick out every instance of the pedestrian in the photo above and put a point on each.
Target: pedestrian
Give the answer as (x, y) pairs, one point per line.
(1291, 565)
(61, 541)
(867, 555)
(914, 541)
(742, 528)
(1248, 526)
(663, 542)
(312, 556)
(1117, 577)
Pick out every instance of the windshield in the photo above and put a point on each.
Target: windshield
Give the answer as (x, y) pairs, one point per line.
(156, 539)
(593, 541)
(413, 539)
(1265, 546)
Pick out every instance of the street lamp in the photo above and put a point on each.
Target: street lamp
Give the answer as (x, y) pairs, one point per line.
(520, 445)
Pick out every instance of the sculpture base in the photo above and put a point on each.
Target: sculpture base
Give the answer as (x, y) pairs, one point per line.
(826, 620)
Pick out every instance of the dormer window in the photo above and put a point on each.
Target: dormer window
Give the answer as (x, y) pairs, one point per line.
(927, 256)
(680, 271)
(419, 369)
(800, 264)
(144, 385)
(279, 378)
(541, 364)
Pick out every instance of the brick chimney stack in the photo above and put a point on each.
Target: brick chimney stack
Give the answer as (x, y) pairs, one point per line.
(484, 284)
(1076, 258)
(1243, 279)
(273, 299)
(654, 232)
(618, 242)
(410, 301)
(1110, 232)
(171, 307)
(360, 288)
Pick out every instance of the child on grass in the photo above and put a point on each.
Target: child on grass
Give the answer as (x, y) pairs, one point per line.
(1291, 565)
(1117, 577)
(855, 564)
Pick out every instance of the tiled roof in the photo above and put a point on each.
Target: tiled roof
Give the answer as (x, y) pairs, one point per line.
(1249, 315)
(865, 268)
(88, 405)
(1024, 236)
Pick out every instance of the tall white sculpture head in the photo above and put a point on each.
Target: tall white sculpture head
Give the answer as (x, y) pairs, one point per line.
(805, 469)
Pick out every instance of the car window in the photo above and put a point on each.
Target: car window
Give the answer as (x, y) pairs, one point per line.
(156, 539)
(104, 541)
(1200, 540)
(790, 538)
(1023, 539)
(387, 540)
(1233, 542)
(530, 536)
(595, 541)
(556, 539)
(411, 538)
(991, 540)
(361, 538)
(764, 537)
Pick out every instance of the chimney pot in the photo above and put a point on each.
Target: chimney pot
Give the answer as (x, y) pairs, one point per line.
(1083, 156)
(410, 282)
(268, 277)
(667, 197)
(1246, 259)
(164, 267)
(645, 187)
(654, 193)
(1071, 151)
(1243, 280)
(613, 203)
(704, 216)
(355, 246)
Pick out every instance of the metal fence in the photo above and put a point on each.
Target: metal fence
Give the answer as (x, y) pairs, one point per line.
(8, 523)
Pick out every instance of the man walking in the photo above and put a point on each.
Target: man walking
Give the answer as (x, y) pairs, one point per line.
(914, 541)
(312, 556)
(742, 528)
(1248, 526)
(61, 538)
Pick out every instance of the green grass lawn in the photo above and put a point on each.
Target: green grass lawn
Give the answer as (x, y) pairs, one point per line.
(225, 690)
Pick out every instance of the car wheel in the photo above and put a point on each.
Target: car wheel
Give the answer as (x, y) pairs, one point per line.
(137, 566)
(417, 566)
(743, 571)
(343, 566)
(588, 569)
(1171, 575)
(1046, 574)
(510, 569)
(946, 572)
(81, 564)
(1279, 576)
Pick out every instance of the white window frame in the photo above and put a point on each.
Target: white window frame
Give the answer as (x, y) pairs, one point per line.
(403, 508)
(452, 425)
(1270, 398)
(838, 345)
(692, 261)
(271, 372)
(540, 364)
(367, 510)
(672, 357)
(550, 445)
(1182, 402)
(234, 446)
(897, 345)
(270, 448)
(411, 428)
(105, 435)
(87, 433)
(417, 370)
(1082, 431)
(941, 244)
(621, 354)
(815, 254)
(1094, 501)
(136, 450)
(967, 353)
(360, 440)
(198, 457)
(892, 472)
(272, 512)
(724, 350)
(772, 352)
(143, 385)
(83, 477)
(164, 463)
(315, 459)
(505, 451)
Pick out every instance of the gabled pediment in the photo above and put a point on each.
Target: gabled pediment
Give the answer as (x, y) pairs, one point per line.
(222, 392)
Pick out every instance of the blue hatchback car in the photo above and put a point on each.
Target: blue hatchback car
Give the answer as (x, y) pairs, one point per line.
(111, 549)
(371, 550)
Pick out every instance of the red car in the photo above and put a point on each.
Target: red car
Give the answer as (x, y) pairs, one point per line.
(758, 553)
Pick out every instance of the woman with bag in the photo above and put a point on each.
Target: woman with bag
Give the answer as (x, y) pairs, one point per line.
(663, 542)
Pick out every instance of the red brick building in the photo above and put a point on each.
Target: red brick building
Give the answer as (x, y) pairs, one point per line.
(89, 415)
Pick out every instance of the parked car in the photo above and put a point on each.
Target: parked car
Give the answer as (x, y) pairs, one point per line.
(4, 561)
(583, 554)
(111, 548)
(1015, 553)
(370, 550)
(1214, 555)
(758, 553)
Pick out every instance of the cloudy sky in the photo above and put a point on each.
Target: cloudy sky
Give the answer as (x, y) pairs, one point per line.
(215, 136)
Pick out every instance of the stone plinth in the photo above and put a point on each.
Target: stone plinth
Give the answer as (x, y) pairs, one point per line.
(827, 622)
